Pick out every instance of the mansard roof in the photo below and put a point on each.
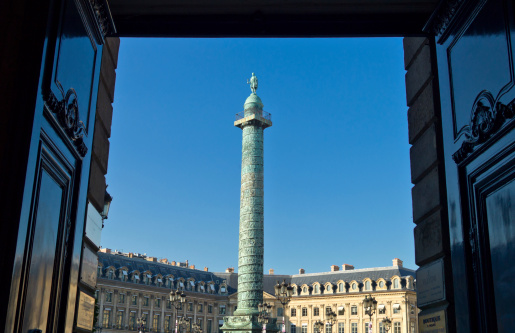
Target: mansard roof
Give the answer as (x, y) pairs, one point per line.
(142, 265)
(356, 274)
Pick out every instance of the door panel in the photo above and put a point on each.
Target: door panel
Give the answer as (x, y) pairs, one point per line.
(477, 94)
(46, 245)
(49, 245)
(500, 212)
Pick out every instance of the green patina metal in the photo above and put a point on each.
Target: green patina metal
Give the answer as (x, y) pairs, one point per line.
(250, 255)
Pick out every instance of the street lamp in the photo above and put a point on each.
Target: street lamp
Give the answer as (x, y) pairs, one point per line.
(184, 322)
(283, 292)
(177, 298)
(331, 317)
(387, 324)
(370, 306)
(319, 326)
(264, 313)
(107, 203)
(196, 328)
(141, 321)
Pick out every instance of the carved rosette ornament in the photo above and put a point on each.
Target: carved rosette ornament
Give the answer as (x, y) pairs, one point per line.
(66, 110)
(486, 118)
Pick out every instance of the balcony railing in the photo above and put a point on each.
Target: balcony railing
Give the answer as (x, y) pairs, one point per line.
(243, 114)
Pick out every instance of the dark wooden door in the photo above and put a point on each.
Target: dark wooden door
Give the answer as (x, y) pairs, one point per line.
(475, 43)
(44, 287)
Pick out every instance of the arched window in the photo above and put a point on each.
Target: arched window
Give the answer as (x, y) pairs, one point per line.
(340, 287)
(317, 288)
(354, 286)
(305, 289)
(381, 284)
(367, 285)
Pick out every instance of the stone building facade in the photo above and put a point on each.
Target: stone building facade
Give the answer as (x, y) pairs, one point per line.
(132, 286)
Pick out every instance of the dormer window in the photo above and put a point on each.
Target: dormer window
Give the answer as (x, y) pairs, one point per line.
(396, 283)
(223, 289)
(354, 286)
(99, 271)
(136, 278)
(110, 274)
(317, 288)
(202, 288)
(340, 287)
(367, 285)
(212, 288)
(123, 276)
(181, 285)
(192, 285)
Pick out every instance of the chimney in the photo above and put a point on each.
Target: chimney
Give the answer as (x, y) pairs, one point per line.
(187, 263)
(163, 261)
(397, 262)
(230, 270)
(271, 271)
(105, 250)
(206, 269)
(153, 259)
(347, 267)
(192, 266)
(174, 263)
(335, 268)
(131, 255)
(302, 271)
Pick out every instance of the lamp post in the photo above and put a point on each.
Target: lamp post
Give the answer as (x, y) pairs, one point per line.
(264, 314)
(331, 318)
(319, 326)
(283, 292)
(196, 328)
(107, 203)
(177, 298)
(387, 324)
(141, 324)
(370, 306)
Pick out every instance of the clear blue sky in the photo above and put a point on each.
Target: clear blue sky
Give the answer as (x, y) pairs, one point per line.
(337, 179)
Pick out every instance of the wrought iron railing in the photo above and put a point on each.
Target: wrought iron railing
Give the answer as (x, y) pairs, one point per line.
(243, 114)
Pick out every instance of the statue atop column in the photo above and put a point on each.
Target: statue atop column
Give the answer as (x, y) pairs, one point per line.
(253, 83)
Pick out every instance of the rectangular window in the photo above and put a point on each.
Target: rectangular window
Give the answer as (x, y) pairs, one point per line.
(134, 300)
(222, 309)
(354, 327)
(316, 312)
(304, 328)
(145, 318)
(200, 308)
(157, 302)
(382, 309)
(412, 327)
(341, 311)
(146, 301)
(280, 312)
(119, 320)
(381, 328)
(109, 297)
(304, 312)
(121, 298)
(366, 327)
(396, 308)
(328, 328)
(341, 327)
(397, 327)
(293, 313)
(328, 310)
(293, 328)
(209, 308)
(209, 326)
(132, 320)
(168, 304)
(155, 322)
(168, 323)
(106, 320)
(354, 310)
(190, 306)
